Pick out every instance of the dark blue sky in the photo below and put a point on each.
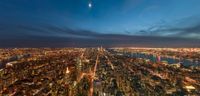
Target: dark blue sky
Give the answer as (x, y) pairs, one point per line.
(73, 21)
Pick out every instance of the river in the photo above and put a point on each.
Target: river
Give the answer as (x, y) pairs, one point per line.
(170, 60)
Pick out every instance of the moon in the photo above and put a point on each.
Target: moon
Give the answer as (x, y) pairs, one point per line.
(90, 5)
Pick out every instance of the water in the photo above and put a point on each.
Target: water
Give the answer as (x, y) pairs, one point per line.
(170, 60)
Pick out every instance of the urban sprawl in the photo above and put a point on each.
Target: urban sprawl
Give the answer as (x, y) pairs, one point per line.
(100, 72)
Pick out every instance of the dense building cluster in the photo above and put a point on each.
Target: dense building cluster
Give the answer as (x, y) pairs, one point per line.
(96, 72)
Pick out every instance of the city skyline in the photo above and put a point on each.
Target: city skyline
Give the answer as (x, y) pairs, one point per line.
(99, 48)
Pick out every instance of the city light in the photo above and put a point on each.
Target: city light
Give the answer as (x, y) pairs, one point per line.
(67, 71)
(111, 71)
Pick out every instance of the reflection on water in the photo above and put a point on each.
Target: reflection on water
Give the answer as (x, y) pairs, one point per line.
(170, 60)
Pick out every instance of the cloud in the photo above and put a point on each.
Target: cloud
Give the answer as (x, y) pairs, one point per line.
(54, 36)
(184, 28)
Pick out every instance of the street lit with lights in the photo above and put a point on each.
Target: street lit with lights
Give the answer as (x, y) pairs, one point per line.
(124, 71)
(99, 48)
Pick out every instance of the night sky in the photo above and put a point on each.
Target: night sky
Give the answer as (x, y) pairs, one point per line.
(92, 23)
